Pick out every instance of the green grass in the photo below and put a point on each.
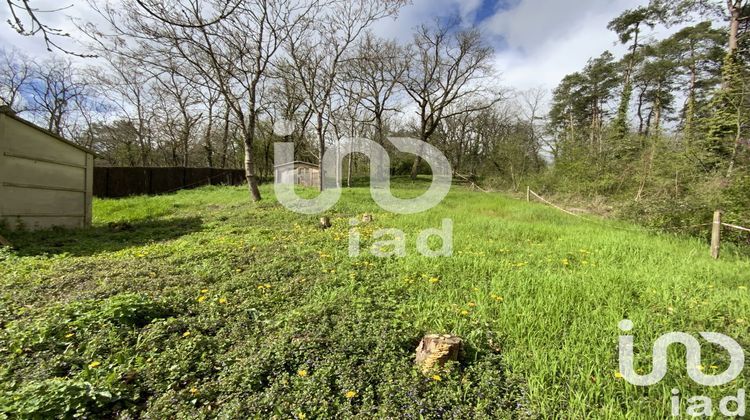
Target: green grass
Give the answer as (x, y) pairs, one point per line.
(207, 305)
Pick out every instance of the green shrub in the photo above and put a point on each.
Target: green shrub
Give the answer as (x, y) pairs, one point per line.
(55, 398)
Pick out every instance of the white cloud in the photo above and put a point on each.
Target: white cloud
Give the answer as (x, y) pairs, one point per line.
(541, 40)
(538, 41)
(545, 40)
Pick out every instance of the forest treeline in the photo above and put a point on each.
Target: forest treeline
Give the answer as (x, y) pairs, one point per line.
(661, 132)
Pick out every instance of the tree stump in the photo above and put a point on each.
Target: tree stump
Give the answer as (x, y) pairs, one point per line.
(367, 218)
(325, 222)
(436, 350)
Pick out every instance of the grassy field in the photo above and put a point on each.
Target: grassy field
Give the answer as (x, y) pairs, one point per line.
(202, 304)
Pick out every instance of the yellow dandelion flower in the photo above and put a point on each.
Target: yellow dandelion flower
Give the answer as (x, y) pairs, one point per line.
(618, 375)
(302, 373)
(301, 416)
(434, 280)
(464, 313)
(202, 299)
(193, 390)
(204, 291)
(186, 334)
(472, 305)
(350, 394)
(436, 378)
(69, 335)
(222, 301)
(94, 365)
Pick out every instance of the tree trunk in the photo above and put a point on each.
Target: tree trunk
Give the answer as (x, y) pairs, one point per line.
(735, 12)
(690, 108)
(225, 139)
(415, 168)
(435, 351)
(322, 146)
(737, 141)
(208, 144)
(252, 182)
(640, 112)
(349, 172)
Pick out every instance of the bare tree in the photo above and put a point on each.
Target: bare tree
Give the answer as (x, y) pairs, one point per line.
(55, 91)
(448, 67)
(26, 21)
(179, 100)
(178, 13)
(375, 74)
(14, 75)
(233, 53)
(317, 68)
(129, 90)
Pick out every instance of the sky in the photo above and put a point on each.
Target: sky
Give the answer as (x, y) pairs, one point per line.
(537, 42)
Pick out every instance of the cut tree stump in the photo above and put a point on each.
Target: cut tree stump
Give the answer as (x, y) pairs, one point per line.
(325, 222)
(436, 350)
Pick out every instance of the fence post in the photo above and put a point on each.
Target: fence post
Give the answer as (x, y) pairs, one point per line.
(716, 235)
(528, 194)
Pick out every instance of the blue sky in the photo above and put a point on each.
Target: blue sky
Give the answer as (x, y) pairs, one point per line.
(537, 42)
(488, 8)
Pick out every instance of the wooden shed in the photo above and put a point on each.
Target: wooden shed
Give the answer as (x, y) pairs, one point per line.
(45, 180)
(301, 173)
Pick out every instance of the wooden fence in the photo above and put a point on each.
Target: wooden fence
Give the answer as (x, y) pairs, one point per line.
(116, 182)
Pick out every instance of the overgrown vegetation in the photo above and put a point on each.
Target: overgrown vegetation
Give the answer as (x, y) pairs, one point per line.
(201, 304)
(676, 148)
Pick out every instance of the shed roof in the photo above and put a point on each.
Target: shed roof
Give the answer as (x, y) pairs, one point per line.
(297, 163)
(9, 113)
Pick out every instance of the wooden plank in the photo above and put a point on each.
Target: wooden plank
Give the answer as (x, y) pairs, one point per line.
(88, 195)
(32, 201)
(42, 187)
(44, 215)
(45, 160)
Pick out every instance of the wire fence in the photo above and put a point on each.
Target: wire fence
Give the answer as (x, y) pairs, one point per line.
(530, 193)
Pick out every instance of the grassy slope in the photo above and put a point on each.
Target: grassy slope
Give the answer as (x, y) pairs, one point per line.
(537, 295)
